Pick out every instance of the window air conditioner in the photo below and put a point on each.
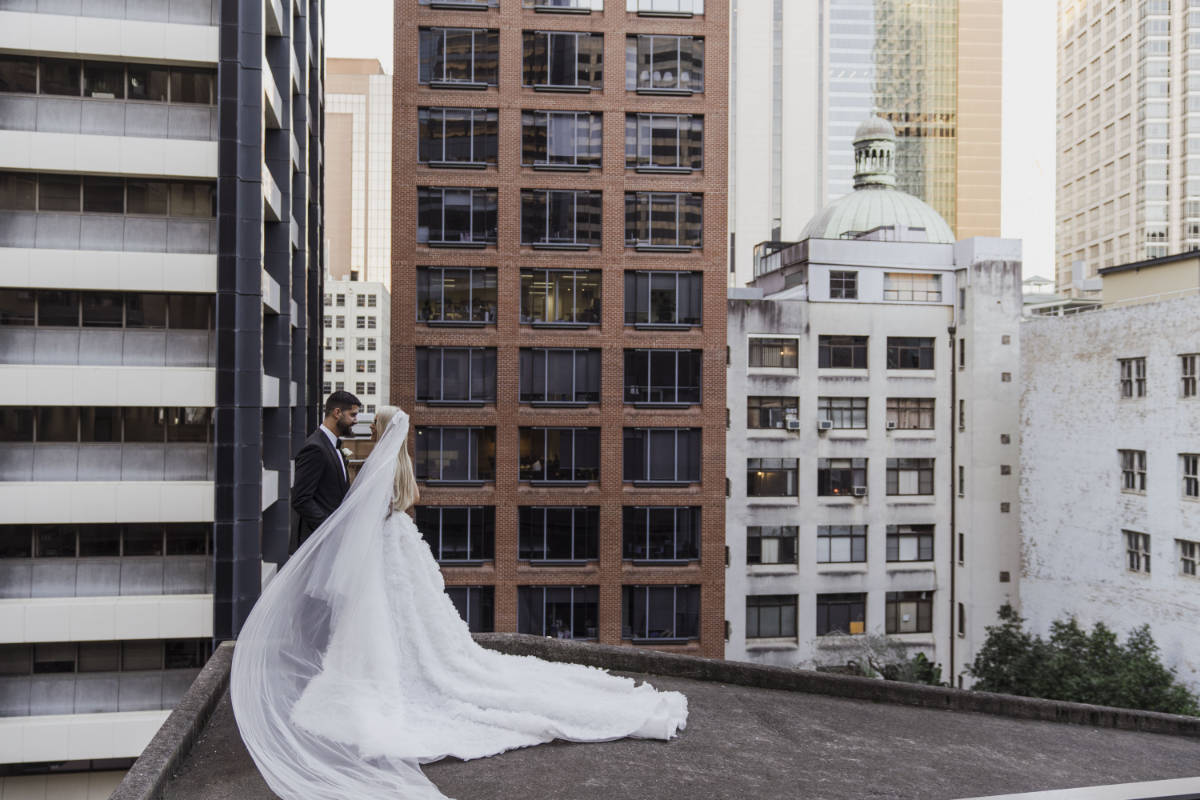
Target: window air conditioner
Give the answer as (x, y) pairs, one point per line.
(891, 425)
(860, 491)
(824, 424)
(793, 424)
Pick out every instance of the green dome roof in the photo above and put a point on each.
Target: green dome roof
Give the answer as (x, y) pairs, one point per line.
(875, 201)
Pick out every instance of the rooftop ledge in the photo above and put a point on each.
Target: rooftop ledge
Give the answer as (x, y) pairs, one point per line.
(753, 730)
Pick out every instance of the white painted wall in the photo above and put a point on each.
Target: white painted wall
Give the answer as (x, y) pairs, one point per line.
(1073, 421)
(70, 385)
(89, 154)
(103, 619)
(106, 501)
(108, 270)
(118, 39)
(72, 737)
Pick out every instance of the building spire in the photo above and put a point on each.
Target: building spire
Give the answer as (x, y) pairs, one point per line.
(875, 155)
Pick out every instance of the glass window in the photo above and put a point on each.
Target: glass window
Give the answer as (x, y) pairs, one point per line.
(561, 533)
(194, 86)
(560, 217)
(841, 544)
(774, 353)
(771, 544)
(143, 310)
(771, 477)
(662, 455)
(912, 286)
(18, 191)
(16, 424)
(185, 653)
(909, 612)
(456, 374)
(843, 285)
(841, 476)
(842, 352)
(455, 454)
(458, 533)
(661, 533)
(559, 454)
(141, 655)
(53, 658)
(57, 424)
(57, 308)
(103, 309)
(670, 377)
(189, 424)
(561, 138)
(909, 352)
(190, 311)
(909, 542)
(59, 76)
(841, 613)
(843, 413)
(476, 605)
(188, 539)
(147, 83)
(144, 424)
(771, 412)
(104, 80)
(18, 74)
(664, 63)
(142, 540)
(662, 298)
(457, 135)
(910, 413)
(560, 297)
(660, 612)
(909, 476)
(563, 60)
(563, 612)
(54, 541)
(99, 656)
(551, 375)
(58, 193)
(146, 197)
(770, 616)
(663, 219)
(193, 199)
(459, 55)
(16, 541)
(1133, 470)
(104, 195)
(447, 216)
(664, 141)
(17, 306)
(99, 541)
(456, 294)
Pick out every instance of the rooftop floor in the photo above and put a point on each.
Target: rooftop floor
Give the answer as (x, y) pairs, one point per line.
(751, 742)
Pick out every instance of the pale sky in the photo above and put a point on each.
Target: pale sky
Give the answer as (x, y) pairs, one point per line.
(363, 29)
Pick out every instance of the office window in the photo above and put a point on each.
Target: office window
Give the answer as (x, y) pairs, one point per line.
(456, 374)
(911, 543)
(1190, 462)
(60, 76)
(459, 57)
(449, 217)
(341, 300)
(559, 454)
(339, 365)
(841, 613)
(476, 605)
(909, 476)
(662, 455)
(670, 377)
(841, 476)
(842, 352)
(560, 297)
(561, 139)
(562, 533)
(772, 477)
(18, 191)
(843, 285)
(560, 217)
(670, 220)
(663, 298)
(673, 64)
(909, 612)
(562, 60)
(458, 533)
(450, 295)
(771, 544)
(103, 195)
(660, 533)
(1133, 470)
(774, 353)
(770, 616)
(551, 375)
(844, 413)
(568, 5)
(456, 136)
(451, 455)
(913, 287)
(667, 142)
(771, 412)
(1187, 374)
(1133, 377)
(660, 612)
(1189, 554)
(563, 612)
(841, 544)
(1137, 551)
(18, 74)
(909, 352)
(910, 413)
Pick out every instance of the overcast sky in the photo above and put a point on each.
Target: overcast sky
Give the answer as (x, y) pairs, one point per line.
(363, 29)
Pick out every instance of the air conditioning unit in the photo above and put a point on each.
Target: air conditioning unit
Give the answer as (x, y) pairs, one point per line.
(860, 491)
(793, 424)
(824, 424)
(891, 425)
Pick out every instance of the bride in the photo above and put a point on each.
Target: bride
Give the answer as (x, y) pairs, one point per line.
(355, 667)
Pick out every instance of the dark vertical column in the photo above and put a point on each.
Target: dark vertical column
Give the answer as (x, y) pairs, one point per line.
(237, 550)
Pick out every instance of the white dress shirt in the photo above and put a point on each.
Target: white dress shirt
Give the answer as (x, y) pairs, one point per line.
(333, 440)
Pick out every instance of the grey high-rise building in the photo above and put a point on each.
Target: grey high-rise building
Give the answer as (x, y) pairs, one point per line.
(160, 270)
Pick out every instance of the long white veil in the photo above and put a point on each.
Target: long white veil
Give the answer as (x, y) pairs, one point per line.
(332, 587)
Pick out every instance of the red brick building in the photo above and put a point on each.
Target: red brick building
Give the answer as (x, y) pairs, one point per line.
(558, 327)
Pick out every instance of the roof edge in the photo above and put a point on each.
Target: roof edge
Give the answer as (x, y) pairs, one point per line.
(1149, 262)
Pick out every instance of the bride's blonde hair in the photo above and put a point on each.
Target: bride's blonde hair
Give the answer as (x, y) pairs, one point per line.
(404, 489)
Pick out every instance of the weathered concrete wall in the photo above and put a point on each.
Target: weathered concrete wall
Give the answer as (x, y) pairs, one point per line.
(1073, 510)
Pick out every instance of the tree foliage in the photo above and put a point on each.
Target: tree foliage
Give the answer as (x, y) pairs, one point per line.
(1077, 665)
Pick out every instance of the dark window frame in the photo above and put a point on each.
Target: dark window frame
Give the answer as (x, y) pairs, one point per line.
(916, 540)
(484, 219)
(894, 603)
(855, 537)
(644, 146)
(763, 476)
(642, 437)
(910, 352)
(636, 605)
(479, 382)
(854, 605)
(773, 411)
(588, 393)
(842, 352)
(848, 472)
(787, 544)
(772, 616)
(478, 78)
(543, 130)
(639, 544)
(479, 441)
(539, 470)
(643, 310)
(478, 546)
(483, 126)
(773, 352)
(578, 601)
(471, 598)
(584, 534)
(539, 228)
(924, 469)
(641, 50)
(837, 410)
(649, 388)
(478, 312)
(912, 413)
(843, 284)
(532, 60)
(551, 277)
(644, 213)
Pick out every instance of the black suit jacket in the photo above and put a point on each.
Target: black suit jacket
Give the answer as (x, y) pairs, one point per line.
(320, 485)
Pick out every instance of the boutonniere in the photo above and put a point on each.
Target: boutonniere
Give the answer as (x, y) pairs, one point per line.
(346, 453)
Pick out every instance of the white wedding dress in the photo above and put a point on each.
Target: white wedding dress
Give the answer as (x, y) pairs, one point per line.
(355, 667)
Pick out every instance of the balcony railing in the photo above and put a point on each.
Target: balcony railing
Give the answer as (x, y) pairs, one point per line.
(107, 117)
(93, 692)
(44, 461)
(105, 347)
(24, 578)
(120, 232)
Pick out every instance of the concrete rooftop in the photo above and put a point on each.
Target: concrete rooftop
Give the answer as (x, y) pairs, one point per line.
(748, 742)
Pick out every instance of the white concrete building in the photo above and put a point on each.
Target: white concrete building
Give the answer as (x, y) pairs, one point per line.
(358, 324)
(872, 439)
(1110, 490)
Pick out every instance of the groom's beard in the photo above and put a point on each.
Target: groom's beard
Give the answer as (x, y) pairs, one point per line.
(344, 428)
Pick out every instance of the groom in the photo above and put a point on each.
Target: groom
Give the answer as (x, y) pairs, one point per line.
(321, 478)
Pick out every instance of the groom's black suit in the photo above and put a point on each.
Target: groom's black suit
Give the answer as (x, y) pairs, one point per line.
(320, 484)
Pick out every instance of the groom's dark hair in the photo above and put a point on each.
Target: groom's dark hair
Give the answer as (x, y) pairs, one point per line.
(342, 400)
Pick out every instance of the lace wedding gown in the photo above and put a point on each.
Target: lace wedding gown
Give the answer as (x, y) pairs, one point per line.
(355, 667)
